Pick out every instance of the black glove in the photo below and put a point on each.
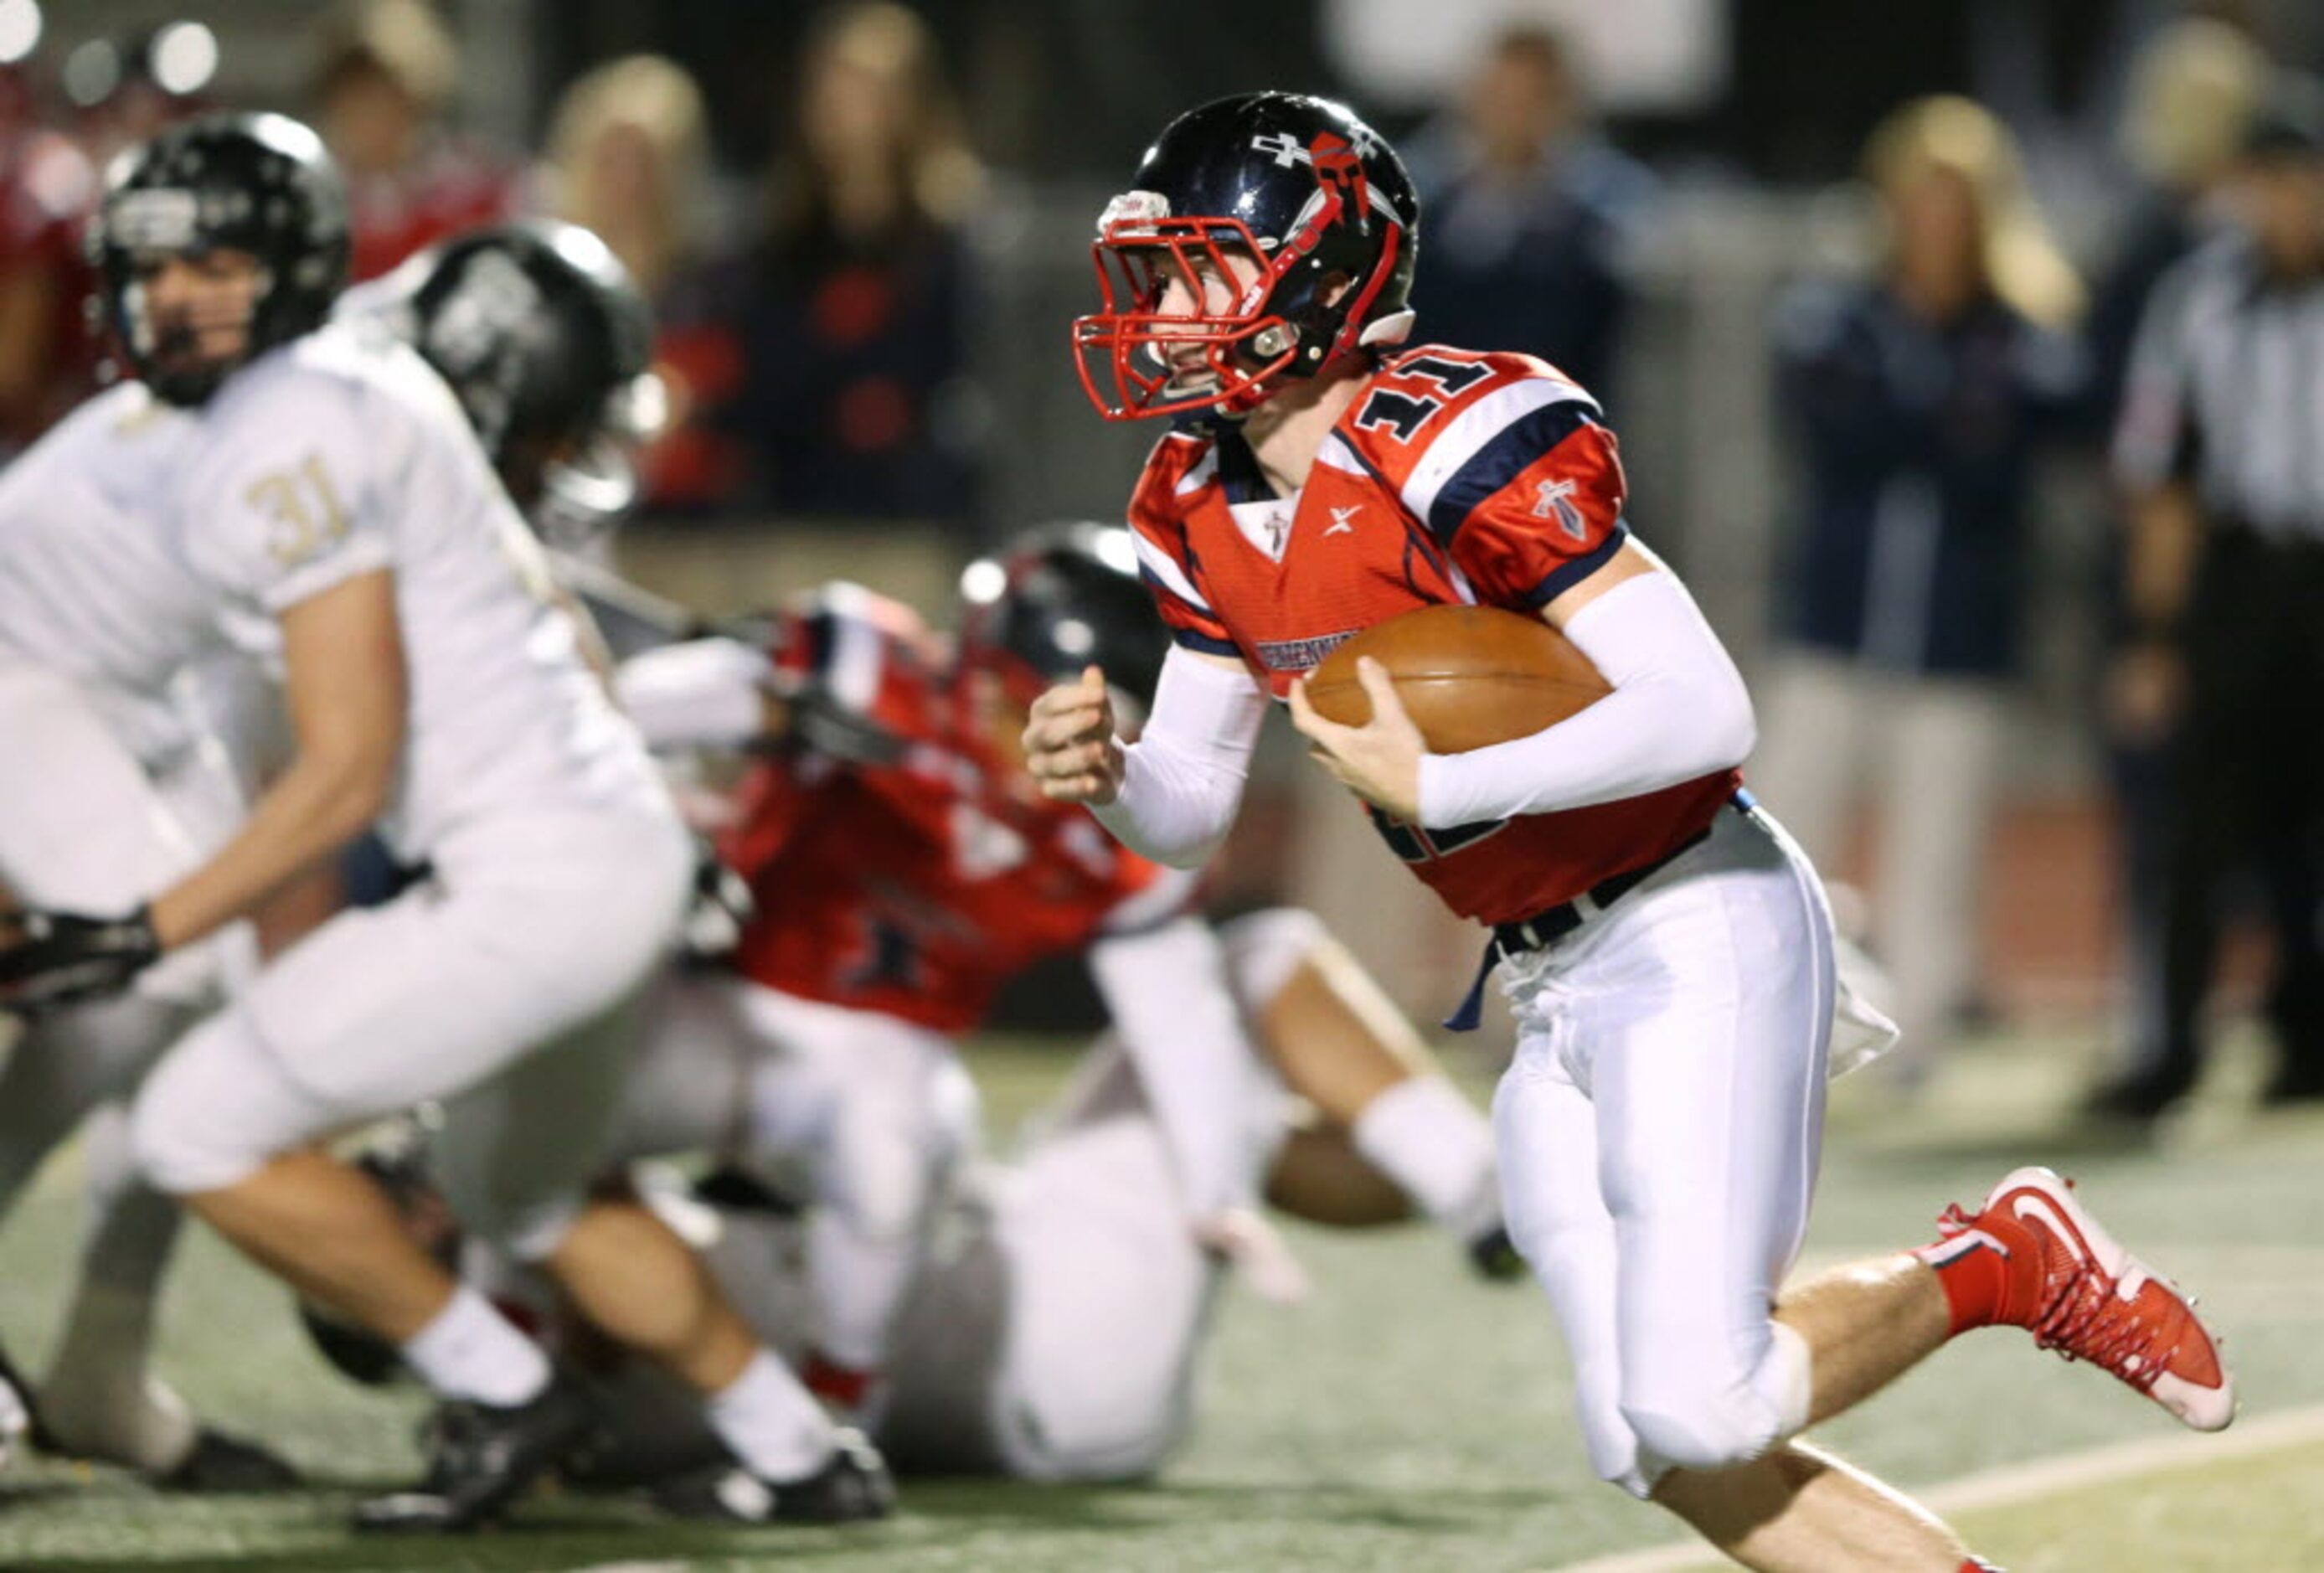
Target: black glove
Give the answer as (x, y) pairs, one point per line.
(57, 959)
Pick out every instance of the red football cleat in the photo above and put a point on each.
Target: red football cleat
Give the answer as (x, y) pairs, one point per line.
(2083, 1295)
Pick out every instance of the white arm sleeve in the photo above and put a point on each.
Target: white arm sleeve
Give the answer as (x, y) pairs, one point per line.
(1678, 710)
(705, 693)
(1182, 778)
(1170, 994)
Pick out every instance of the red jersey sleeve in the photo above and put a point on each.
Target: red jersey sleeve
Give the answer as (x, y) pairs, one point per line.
(1180, 466)
(1506, 462)
(1548, 511)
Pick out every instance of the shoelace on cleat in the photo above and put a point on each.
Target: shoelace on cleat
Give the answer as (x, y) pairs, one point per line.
(2080, 1324)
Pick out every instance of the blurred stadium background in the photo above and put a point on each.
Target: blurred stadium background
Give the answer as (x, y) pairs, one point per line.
(866, 228)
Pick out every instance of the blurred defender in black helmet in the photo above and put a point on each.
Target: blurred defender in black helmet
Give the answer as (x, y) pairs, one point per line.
(549, 346)
(217, 196)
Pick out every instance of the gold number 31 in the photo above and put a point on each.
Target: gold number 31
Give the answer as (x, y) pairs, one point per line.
(307, 512)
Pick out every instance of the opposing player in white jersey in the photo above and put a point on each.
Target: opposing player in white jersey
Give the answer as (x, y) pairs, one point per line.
(111, 786)
(324, 481)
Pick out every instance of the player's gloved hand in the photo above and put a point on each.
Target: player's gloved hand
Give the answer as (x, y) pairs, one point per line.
(48, 959)
(816, 720)
(721, 908)
(1244, 1240)
(1070, 747)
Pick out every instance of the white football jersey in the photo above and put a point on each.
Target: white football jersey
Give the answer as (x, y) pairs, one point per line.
(90, 586)
(342, 452)
(333, 456)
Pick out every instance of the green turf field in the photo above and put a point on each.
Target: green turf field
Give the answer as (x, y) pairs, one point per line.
(1407, 1418)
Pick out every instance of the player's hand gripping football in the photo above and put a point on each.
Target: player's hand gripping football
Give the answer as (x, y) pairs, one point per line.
(1380, 761)
(57, 959)
(1070, 747)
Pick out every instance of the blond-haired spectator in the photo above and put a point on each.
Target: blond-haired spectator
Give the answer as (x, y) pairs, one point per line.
(384, 77)
(854, 309)
(629, 157)
(1919, 397)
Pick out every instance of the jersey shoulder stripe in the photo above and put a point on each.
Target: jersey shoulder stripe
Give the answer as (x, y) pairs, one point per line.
(1487, 442)
(1511, 451)
(853, 641)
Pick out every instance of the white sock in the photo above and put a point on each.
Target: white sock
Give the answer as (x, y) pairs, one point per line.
(770, 1423)
(1432, 1141)
(471, 1351)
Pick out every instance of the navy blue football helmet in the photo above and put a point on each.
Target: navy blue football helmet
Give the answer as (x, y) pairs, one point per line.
(1299, 186)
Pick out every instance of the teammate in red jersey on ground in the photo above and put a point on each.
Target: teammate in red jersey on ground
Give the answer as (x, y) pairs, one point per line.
(1667, 950)
(905, 868)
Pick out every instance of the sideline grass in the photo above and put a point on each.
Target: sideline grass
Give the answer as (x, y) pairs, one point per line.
(1407, 1418)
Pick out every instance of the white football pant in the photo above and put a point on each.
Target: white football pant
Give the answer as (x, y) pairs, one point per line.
(497, 987)
(1658, 1133)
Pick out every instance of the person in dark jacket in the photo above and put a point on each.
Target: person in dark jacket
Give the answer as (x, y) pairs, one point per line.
(1920, 400)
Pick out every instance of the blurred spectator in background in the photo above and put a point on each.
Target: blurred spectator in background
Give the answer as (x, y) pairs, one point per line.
(854, 309)
(2192, 88)
(125, 91)
(118, 92)
(629, 157)
(1918, 399)
(2221, 447)
(384, 75)
(1531, 217)
(47, 353)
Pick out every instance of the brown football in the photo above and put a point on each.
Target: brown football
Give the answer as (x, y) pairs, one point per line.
(1469, 675)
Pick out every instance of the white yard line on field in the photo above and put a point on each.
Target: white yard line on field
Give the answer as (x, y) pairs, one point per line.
(2040, 1477)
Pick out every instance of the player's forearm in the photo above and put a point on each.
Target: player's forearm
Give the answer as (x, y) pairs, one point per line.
(1170, 999)
(705, 693)
(1182, 779)
(315, 808)
(1678, 711)
(2165, 535)
(1171, 807)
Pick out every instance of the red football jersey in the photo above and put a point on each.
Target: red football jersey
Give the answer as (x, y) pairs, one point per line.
(1454, 475)
(917, 888)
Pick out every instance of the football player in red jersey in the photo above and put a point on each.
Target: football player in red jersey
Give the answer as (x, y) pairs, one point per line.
(1667, 950)
(905, 868)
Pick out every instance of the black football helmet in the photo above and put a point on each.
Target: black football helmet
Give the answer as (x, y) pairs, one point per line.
(1059, 598)
(1300, 184)
(255, 183)
(548, 347)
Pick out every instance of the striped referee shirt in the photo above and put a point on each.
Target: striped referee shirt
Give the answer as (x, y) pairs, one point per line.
(2225, 393)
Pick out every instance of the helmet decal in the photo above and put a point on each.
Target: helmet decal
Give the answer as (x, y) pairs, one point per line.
(548, 346)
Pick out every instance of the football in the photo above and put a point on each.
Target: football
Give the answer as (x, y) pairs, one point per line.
(1469, 675)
